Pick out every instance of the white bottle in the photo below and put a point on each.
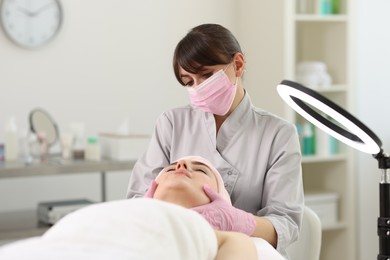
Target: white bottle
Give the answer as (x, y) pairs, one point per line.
(92, 150)
(24, 146)
(11, 142)
(322, 143)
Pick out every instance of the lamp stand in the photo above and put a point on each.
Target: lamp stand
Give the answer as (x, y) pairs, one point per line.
(384, 200)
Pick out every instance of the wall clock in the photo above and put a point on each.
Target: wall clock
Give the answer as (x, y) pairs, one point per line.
(31, 23)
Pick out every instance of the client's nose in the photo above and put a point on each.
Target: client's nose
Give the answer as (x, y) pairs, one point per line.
(181, 164)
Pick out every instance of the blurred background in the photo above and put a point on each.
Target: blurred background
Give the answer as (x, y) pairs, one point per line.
(111, 61)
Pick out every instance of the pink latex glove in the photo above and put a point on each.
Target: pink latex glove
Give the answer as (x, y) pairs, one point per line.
(223, 216)
(152, 188)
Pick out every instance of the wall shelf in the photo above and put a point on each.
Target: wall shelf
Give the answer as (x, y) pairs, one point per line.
(333, 88)
(326, 39)
(330, 158)
(320, 18)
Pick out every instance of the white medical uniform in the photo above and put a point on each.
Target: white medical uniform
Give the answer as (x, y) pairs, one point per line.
(257, 153)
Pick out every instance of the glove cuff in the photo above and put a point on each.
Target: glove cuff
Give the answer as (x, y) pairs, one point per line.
(248, 224)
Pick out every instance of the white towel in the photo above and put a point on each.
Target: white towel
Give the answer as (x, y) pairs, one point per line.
(126, 229)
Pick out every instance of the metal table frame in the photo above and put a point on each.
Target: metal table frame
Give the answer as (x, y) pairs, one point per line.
(57, 166)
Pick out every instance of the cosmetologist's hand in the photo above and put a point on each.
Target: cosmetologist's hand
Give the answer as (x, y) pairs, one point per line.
(223, 216)
(152, 188)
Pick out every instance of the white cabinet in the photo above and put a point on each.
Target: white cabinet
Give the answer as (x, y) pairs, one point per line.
(327, 40)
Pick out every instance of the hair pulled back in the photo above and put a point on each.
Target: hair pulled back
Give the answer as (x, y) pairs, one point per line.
(204, 45)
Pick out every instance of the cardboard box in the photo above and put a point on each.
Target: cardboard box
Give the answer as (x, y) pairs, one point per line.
(325, 205)
(122, 147)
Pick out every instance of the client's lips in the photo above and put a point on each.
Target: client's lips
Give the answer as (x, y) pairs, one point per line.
(184, 172)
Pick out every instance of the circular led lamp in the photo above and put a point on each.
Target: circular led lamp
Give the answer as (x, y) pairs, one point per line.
(354, 133)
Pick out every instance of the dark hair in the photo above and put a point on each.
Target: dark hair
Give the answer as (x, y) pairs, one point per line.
(204, 45)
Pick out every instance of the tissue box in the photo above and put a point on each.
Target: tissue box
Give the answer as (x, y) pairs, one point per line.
(122, 147)
(325, 205)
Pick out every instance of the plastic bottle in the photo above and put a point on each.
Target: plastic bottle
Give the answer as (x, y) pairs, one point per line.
(66, 145)
(334, 145)
(92, 149)
(308, 139)
(325, 6)
(11, 142)
(1, 152)
(302, 7)
(336, 6)
(322, 143)
(24, 147)
(78, 147)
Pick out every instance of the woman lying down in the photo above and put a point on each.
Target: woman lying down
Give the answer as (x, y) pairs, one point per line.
(144, 228)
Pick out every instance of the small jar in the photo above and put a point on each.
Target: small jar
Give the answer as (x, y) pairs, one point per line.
(78, 148)
(92, 149)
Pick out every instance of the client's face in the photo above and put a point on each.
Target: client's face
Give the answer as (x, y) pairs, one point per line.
(182, 183)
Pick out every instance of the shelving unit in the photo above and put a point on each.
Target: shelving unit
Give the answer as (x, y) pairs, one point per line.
(327, 38)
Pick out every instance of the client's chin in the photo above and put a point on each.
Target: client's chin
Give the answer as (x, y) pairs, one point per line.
(186, 196)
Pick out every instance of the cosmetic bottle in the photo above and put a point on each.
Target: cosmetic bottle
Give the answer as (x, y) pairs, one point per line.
(308, 139)
(336, 6)
(322, 143)
(1, 152)
(11, 142)
(24, 147)
(66, 145)
(92, 149)
(334, 145)
(78, 147)
(325, 7)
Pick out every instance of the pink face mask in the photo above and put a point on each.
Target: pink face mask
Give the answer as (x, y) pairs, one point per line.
(215, 94)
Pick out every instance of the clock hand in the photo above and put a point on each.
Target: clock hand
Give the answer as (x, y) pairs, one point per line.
(25, 11)
(41, 9)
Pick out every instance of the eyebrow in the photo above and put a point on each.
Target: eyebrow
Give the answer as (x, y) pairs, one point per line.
(200, 163)
(204, 69)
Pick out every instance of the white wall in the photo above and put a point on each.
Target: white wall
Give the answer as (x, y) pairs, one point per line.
(373, 96)
(111, 60)
(263, 46)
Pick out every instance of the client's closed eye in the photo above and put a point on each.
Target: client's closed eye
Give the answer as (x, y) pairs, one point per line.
(201, 170)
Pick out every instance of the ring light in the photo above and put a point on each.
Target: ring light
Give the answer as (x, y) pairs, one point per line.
(353, 133)
(359, 136)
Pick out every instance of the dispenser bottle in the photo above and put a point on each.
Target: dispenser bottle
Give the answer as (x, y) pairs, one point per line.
(308, 140)
(11, 143)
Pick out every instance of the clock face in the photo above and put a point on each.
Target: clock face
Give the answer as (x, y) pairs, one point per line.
(31, 23)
